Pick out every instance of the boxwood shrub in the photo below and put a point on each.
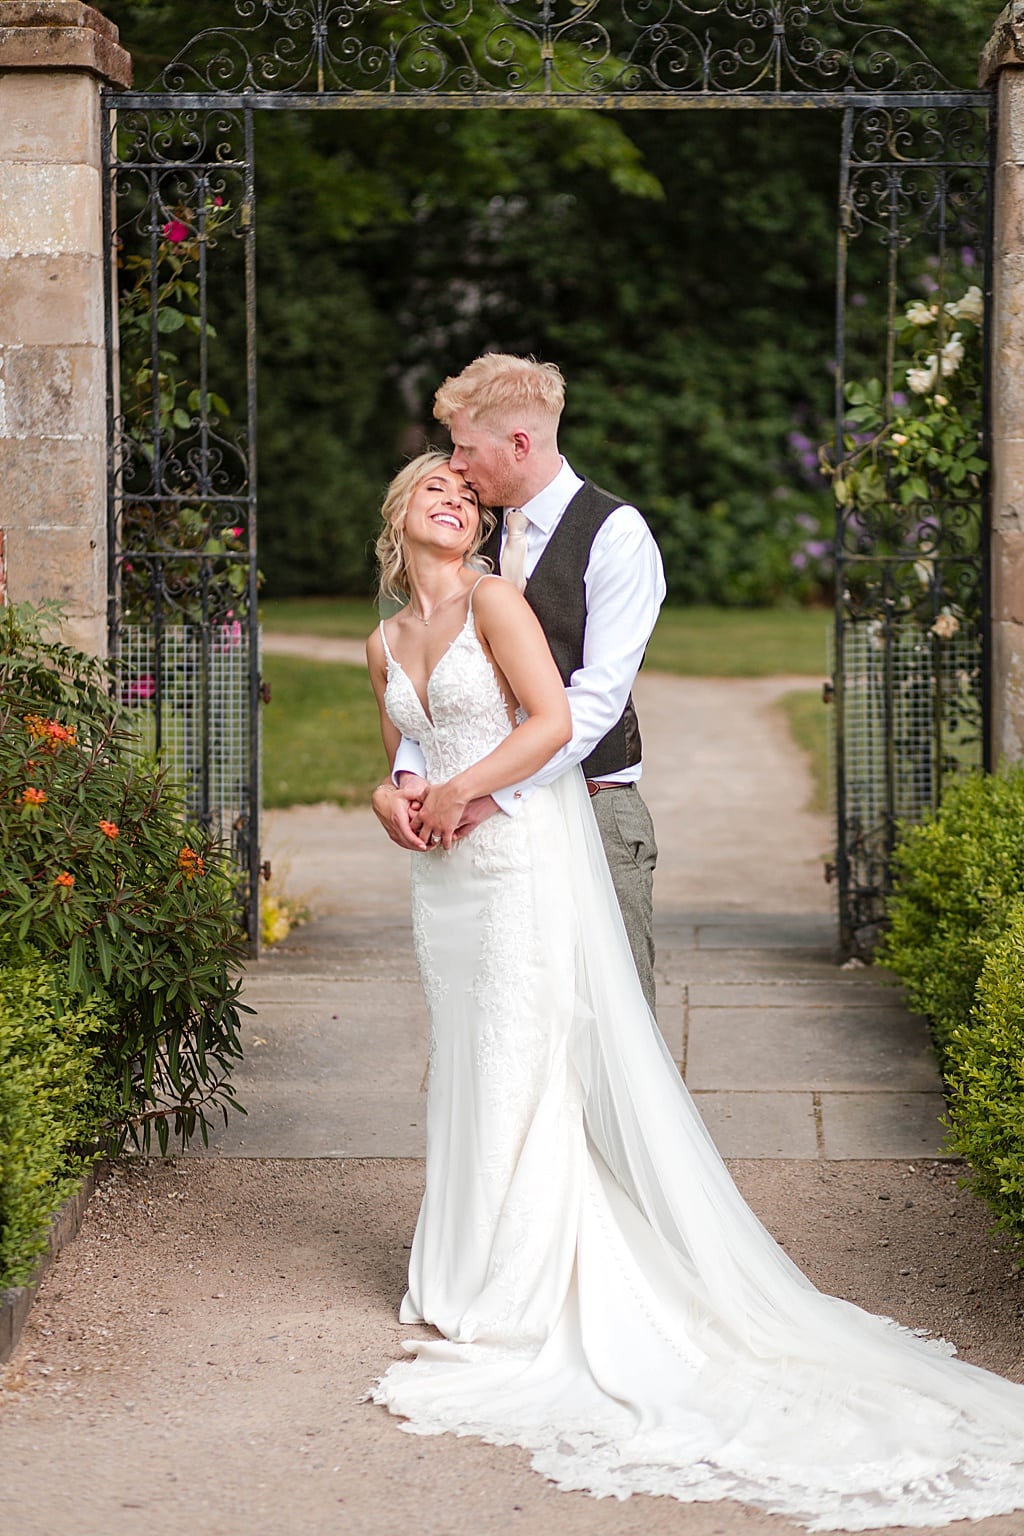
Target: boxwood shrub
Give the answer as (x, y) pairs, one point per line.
(985, 1069)
(956, 877)
(957, 941)
(58, 1097)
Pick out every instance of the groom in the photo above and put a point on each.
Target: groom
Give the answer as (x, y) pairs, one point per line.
(594, 578)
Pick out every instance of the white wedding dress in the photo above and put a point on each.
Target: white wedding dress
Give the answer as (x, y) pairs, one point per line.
(605, 1297)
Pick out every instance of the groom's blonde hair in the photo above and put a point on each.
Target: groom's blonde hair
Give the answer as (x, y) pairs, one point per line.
(497, 387)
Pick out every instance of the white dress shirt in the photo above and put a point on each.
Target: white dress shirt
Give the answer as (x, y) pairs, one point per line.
(625, 588)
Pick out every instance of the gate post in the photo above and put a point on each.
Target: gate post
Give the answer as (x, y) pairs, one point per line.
(55, 57)
(1002, 67)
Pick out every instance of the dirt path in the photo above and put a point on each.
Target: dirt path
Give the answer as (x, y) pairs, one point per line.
(197, 1357)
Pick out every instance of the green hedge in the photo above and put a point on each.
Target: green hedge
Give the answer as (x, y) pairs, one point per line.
(957, 942)
(956, 877)
(55, 1104)
(986, 1080)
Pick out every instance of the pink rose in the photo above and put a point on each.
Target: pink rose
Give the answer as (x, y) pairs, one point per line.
(175, 231)
(140, 689)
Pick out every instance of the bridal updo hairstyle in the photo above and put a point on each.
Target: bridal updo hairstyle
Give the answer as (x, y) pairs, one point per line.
(390, 548)
(498, 387)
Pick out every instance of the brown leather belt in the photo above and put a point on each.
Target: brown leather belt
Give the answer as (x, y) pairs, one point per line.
(594, 785)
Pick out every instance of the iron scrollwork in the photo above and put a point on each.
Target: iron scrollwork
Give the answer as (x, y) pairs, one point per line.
(549, 47)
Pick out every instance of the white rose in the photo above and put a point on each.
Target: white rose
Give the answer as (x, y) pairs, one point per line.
(970, 307)
(923, 571)
(952, 355)
(946, 625)
(921, 380)
(919, 314)
(899, 438)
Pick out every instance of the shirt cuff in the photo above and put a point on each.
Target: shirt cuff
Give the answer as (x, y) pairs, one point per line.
(513, 797)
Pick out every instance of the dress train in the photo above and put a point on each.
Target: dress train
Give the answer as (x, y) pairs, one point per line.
(605, 1297)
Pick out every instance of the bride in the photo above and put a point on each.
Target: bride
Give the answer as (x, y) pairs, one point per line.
(602, 1294)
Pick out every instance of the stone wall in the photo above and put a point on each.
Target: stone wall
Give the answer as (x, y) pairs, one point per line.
(54, 57)
(1003, 67)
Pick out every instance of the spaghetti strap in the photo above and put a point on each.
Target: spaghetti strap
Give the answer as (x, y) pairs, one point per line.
(384, 638)
(487, 576)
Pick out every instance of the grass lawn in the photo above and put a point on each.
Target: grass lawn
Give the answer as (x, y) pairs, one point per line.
(321, 734)
(808, 721)
(693, 642)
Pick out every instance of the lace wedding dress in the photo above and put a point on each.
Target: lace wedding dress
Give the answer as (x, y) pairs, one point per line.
(605, 1297)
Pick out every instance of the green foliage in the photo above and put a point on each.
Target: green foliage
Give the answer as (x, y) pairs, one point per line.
(321, 737)
(921, 446)
(57, 1099)
(986, 1080)
(679, 267)
(956, 878)
(96, 865)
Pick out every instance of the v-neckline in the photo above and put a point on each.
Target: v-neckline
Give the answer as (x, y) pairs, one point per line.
(393, 659)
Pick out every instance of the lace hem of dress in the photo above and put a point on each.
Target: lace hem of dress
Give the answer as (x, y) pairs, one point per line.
(660, 1462)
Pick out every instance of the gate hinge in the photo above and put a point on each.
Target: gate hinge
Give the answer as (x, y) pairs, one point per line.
(828, 692)
(265, 692)
(829, 872)
(265, 870)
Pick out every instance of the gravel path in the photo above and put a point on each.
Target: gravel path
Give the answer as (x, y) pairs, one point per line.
(196, 1358)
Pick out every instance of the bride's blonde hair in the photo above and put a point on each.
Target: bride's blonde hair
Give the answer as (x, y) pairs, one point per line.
(390, 548)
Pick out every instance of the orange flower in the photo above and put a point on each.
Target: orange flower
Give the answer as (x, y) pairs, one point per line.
(64, 879)
(61, 735)
(51, 732)
(190, 863)
(32, 796)
(108, 829)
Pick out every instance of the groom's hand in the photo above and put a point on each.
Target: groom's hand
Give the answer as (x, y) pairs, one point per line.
(398, 810)
(476, 812)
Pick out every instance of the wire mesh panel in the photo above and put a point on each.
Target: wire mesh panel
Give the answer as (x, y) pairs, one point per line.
(909, 476)
(912, 722)
(186, 693)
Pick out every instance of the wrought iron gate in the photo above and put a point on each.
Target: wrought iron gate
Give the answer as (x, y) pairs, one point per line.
(910, 634)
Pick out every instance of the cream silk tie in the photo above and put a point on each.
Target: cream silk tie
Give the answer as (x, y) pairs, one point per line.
(513, 556)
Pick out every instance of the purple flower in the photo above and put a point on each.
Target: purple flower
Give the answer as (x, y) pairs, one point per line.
(817, 549)
(858, 300)
(968, 257)
(798, 560)
(807, 522)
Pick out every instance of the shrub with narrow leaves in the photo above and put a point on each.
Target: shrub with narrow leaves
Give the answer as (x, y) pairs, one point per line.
(98, 866)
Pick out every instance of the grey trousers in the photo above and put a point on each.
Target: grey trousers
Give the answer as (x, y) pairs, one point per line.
(627, 833)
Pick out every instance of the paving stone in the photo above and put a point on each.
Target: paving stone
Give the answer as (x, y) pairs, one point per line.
(295, 1120)
(792, 994)
(760, 1124)
(809, 1048)
(881, 1125)
(671, 1021)
(771, 933)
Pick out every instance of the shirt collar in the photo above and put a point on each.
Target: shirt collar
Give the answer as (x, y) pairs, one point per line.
(545, 509)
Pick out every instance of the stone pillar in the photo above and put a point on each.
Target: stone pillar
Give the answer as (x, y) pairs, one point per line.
(1002, 67)
(55, 55)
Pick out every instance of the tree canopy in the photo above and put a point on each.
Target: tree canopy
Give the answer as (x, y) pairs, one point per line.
(678, 266)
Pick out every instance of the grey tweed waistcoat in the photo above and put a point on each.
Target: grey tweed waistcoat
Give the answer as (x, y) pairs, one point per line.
(558, 596)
